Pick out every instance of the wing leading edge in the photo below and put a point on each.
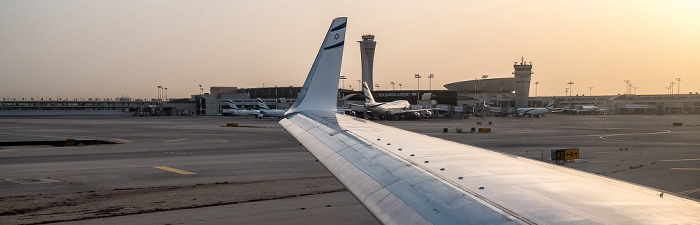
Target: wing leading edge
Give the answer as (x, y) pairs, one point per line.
(407, 178)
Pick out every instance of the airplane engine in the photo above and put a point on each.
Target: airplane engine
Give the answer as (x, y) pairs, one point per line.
(428, 113)
(416, 114)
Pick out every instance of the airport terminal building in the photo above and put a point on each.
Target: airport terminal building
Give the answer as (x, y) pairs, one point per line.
(507, 93)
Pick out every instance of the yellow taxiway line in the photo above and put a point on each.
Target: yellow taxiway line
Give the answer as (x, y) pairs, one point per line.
(121, 140)
(677, 160)
(172, 170)
(685, 168)
(688, 192)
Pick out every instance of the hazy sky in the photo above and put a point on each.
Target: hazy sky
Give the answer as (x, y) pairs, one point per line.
(95, 48)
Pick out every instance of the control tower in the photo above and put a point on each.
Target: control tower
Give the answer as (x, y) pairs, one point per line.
(523, 74)
(367, 46)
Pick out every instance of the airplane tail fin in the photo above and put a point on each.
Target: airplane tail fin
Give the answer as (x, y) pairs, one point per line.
(230, 103)
(320, 91)
(551, 103)
(261, 104)
(368, 94)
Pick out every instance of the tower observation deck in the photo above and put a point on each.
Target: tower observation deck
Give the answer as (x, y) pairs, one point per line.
(367, 46)
(523, 74)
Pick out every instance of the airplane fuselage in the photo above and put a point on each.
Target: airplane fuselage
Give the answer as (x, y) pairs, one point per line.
(273, 112)
(389, 108)
(537, 112)
(399, 109)
(243, 112)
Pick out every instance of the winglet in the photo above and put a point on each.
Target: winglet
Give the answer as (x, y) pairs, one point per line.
(320, 91)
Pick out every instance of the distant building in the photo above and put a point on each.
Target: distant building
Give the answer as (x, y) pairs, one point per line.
(217, 91)
(493, 92)
(90, 106)
(367, 46)
(637, 104)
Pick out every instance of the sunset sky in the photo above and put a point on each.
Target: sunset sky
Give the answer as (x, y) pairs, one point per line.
(106, 49)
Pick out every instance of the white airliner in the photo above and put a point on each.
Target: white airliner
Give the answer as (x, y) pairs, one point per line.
(399, 109)
(537, 112)
(406, 178)
(581, 109)
(267, 111)
(241, 112)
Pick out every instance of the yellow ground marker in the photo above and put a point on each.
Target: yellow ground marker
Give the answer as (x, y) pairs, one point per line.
(172, 170)
(677, 160)
(174, 140)
(688, 192)
(685, 168)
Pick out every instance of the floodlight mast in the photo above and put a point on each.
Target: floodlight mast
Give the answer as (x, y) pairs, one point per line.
(417, 76)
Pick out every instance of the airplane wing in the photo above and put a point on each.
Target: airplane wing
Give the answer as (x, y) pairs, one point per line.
(419, 110)
(407, 178)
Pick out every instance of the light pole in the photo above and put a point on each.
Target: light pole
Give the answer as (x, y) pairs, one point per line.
(627, 97)
(417, 76)
(672, 87)
(590, 91)
(630, 86)
(342, 78)
(483, 96)
(392, 86)
(201, 93)
(536, 83)
(679, 85)
(570, 89)
(160, 93)
(430, 77)
(166, 94)
(476, 87)
(635, 90)
(566, 92)
(359, 84)
(400, 87)
(376, 86)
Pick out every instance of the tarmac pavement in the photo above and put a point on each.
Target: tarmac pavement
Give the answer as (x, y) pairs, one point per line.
(189, 170)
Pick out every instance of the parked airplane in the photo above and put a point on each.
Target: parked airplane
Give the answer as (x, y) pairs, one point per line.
(537, 112)
(234, 110)
(580, 109)
(399, 109)
(406, 178)
(267, 111)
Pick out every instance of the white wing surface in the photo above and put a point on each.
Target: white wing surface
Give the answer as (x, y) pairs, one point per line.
(407, 178)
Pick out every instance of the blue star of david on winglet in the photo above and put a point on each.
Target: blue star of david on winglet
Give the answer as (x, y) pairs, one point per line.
(337, 35)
